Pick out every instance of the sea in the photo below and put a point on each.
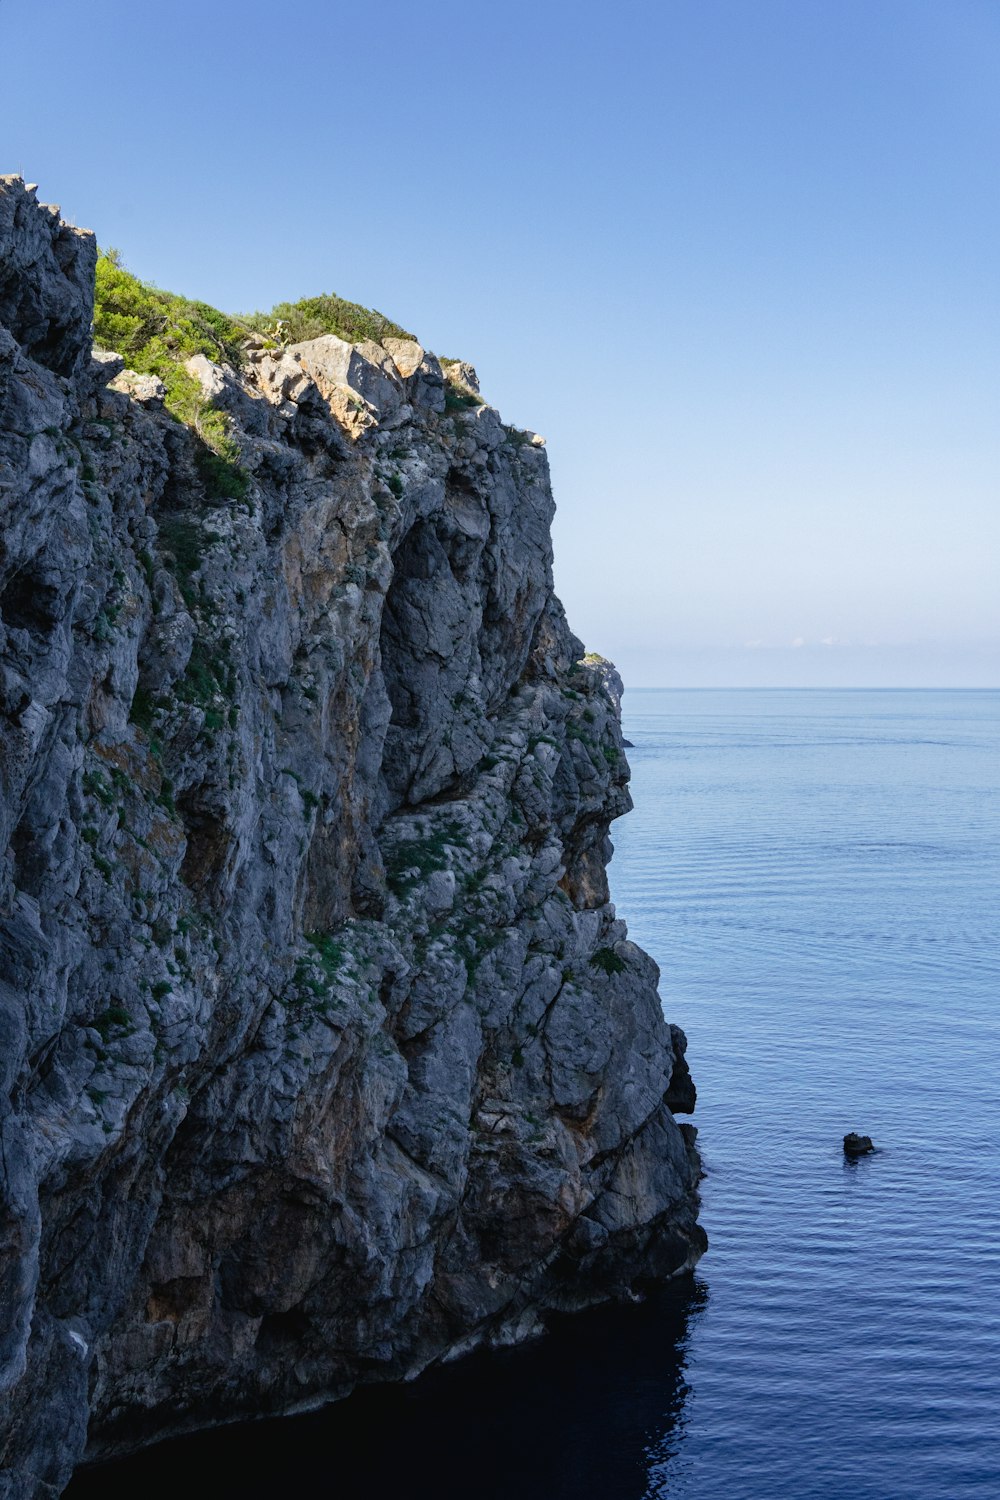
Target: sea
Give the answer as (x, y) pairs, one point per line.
(817, 874)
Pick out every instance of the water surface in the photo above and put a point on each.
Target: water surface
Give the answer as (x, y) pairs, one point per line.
(818, 874)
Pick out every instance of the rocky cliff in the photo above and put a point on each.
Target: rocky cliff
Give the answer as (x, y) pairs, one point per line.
(324, 1054)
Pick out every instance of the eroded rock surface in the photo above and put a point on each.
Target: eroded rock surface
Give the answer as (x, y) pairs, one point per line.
(323, 1051)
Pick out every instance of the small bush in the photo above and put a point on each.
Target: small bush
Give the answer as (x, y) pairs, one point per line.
(148, 568)
(331, 953)
(143, 709)
(608, 960)
(166, 801)
(115, 1018)
(411, 860)
(209, 682)
(95, 785)
(456, 398)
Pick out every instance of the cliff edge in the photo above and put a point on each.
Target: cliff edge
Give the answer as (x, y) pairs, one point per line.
(324, 1054)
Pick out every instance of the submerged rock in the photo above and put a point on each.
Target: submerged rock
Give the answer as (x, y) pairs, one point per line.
(325, 1054)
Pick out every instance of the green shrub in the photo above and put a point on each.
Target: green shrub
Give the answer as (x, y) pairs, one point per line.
(115, 1018)
(148, 568)
(143, 709)
(608, 960)
(311, 317)
(95, 785)
(330, 952)
(208, 677)
(183, 540)
(456, 398)
(155, 332)
(411, 860)
(149, 327)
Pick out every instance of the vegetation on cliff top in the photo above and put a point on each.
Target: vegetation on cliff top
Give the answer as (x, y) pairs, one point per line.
(311, 317)
(143, 324)
(151, 328)
(155, 332)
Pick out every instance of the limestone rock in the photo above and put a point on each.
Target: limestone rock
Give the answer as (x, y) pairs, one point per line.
(421, 373)
(146, 389)
(324, 1053)
(406, 355)
(365, 369)
(464, 375)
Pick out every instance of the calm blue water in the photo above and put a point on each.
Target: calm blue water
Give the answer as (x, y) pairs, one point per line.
(817, 874)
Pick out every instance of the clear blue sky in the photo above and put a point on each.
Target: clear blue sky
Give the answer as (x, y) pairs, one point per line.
(736, 259)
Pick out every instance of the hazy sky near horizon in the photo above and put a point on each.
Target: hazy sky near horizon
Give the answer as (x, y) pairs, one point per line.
(737, 261)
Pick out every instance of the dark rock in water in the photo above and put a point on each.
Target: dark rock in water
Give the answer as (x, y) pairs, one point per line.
(681, 1095)
(324, 1053)
(628, 744)
(857, 1145)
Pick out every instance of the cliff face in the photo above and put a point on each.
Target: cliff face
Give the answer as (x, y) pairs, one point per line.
(323, 1052)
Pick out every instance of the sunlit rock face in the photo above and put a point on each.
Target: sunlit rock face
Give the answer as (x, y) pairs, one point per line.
(323, 1051)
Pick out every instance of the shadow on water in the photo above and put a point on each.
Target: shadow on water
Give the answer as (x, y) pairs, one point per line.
(590, 1411)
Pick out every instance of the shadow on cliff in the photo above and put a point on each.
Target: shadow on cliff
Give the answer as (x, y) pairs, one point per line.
(589, 1412)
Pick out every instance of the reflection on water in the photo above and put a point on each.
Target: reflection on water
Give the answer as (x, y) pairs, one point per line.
(593, 1411)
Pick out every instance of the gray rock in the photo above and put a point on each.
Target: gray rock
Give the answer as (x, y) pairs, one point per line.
(325, 1054)
(46, 280)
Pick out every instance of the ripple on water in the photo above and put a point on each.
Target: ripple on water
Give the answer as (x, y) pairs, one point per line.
(822, 899)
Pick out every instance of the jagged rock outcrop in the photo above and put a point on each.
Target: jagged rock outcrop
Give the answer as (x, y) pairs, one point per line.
(323, 1052)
